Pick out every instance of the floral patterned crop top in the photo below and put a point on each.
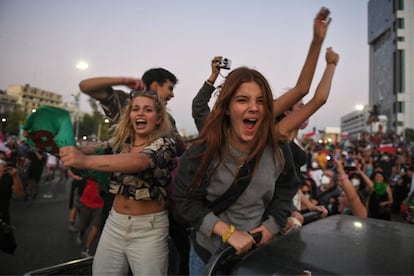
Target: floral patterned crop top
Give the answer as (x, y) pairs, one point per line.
(151, 184)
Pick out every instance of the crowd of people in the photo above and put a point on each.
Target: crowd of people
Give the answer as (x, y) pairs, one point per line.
(246, 173)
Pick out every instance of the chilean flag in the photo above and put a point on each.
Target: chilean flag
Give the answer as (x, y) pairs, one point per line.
(390, 148)
(345, 135)
(310, 134)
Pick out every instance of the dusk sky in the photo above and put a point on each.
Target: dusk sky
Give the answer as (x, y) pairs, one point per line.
(43, 40)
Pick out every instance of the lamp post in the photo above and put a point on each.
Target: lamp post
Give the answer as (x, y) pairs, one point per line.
(82, 66)
(76, 98)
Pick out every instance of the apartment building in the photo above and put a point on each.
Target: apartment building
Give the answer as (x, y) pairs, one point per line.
(391, 61)
(30, 98)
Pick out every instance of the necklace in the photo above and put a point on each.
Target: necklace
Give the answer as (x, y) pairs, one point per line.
(236, 155)
(135, 146)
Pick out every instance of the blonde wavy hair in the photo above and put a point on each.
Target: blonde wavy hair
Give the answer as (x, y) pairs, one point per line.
(124, 132)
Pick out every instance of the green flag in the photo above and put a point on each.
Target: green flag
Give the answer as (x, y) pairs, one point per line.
(49, 128)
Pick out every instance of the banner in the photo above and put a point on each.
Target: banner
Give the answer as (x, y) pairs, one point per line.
(49, 128)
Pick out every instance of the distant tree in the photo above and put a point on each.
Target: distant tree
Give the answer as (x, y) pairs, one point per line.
(87, 125)
(94, 105)
(93, 124)
(12, 123)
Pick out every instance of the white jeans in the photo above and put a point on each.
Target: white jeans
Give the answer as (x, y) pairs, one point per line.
(137, 241)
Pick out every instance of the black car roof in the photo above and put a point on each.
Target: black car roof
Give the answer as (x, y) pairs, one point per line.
(339, 244)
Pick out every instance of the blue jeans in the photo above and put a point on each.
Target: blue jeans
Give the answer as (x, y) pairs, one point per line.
(139, 242)
(196, 264)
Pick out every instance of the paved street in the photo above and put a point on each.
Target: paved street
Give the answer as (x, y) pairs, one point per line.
(41, 230)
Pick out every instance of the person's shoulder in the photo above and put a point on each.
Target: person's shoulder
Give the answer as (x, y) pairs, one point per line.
(164, 142)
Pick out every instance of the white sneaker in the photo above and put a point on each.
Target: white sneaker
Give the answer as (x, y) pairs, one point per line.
(85, 253)
(79, 238)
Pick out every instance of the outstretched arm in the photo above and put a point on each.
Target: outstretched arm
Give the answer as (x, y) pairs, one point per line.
(97, 87)
(126, 162)
(293, 120)
(320, 27)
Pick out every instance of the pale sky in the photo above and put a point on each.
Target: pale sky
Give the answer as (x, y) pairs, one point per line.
(41, 42)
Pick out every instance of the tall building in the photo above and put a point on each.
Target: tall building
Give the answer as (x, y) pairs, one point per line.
(30, 98)
(355, 123)
(391, 61)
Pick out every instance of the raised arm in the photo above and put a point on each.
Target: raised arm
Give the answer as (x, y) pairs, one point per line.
(320, 27)
(97, 87)
(357, 207)
(17, 186)
(367, 180)
(293, 121)
(200, 108)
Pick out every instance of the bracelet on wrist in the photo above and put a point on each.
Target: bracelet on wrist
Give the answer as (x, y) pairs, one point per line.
(332, 62)
(228, 233)
(343, 177)
(210, 82)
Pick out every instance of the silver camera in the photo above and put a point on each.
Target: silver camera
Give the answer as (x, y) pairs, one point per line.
(225, 63)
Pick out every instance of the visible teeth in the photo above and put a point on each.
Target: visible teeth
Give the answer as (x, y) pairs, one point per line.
(140, 121)
(251, 120)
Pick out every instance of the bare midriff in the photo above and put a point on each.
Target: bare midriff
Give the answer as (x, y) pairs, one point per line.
(133, 207)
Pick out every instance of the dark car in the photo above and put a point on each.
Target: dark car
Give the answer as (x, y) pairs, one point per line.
(339, 244)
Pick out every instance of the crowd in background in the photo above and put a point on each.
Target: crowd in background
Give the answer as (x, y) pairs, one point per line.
(387, 155)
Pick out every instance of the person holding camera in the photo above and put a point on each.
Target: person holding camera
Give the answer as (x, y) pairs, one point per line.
(349, 200)
(10, 184)
(200, 108)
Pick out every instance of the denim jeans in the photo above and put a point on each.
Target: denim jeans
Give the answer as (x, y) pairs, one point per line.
(139, 242)
(196, 264)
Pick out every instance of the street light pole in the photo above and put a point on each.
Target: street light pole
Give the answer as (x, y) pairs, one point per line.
(76, 97)
(82, 66)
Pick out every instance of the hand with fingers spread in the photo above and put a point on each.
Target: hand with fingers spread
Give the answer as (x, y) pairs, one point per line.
(321, 23)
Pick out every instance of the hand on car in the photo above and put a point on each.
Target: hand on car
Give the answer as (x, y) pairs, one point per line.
(241, 241)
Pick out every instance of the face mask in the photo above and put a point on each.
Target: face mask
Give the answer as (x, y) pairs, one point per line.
(325, 180)
(355, 181)
(304, 124)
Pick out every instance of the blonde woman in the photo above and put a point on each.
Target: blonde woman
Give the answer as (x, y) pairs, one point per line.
(135, 233)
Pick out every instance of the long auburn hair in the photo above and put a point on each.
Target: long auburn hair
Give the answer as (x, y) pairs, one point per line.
(215, 131)
(124, 133)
